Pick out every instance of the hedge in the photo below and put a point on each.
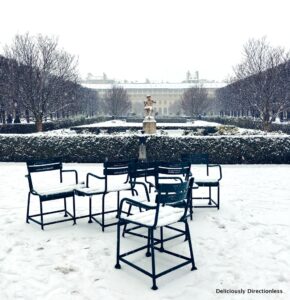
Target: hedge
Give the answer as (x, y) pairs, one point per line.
(249, 123)
(47, 126)
(92, 148)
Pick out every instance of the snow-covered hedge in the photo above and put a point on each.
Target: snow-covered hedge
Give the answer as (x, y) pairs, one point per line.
(249, 123)
(92, 148)
(47, 126)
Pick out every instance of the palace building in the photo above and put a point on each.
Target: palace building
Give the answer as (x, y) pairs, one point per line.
(166, 95)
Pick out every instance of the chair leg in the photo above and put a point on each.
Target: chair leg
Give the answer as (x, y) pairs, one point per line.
(125, 226)
(103, 213)
(190, 246)
(28, 207)
(118, 203)
(74, 210)
(64, 203)
(185, 232)
(161, 240)
(118, 266)
(218, 197)
(90, 210)
(41, 215)
(148, 253)
(209, 192)
(154, 286)
(190, 205)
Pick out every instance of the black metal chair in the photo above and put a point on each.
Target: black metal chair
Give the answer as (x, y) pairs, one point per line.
(172, 203)
(50, 191)
(104, 185)
(207, 180)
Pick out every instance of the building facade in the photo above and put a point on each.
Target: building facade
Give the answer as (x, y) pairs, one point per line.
(166, 95)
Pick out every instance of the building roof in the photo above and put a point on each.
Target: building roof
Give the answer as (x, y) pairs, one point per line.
(128, 86)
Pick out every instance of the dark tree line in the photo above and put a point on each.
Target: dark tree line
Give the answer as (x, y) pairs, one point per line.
(194, 101)
(38, 80)
(116, 102)
(261, 85)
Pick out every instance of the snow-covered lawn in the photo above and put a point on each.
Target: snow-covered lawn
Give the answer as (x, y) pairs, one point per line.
(245, 245)
(121, 123)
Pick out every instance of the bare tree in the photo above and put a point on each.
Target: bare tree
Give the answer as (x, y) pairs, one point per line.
(262, 80)
(116, 101)
(194, 101)
(44, 71)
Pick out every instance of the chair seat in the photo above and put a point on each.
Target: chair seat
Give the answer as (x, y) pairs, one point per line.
(206, 180)
(167, 215)
(90, 191)
(59, 189)
(119, 187)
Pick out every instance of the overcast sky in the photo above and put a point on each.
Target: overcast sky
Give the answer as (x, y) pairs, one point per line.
(155, 39)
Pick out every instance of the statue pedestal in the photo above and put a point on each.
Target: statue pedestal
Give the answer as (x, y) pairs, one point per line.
(149, 125)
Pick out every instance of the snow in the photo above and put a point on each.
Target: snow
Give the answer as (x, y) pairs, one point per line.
(121, 123)
(245, 245)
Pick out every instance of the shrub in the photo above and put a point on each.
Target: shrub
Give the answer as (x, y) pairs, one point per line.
(96, 148)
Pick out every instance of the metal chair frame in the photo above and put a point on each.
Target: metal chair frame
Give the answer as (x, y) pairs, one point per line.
(176, 171)
(176, 195)
(37, 166)
(110, 169)
(203, 159)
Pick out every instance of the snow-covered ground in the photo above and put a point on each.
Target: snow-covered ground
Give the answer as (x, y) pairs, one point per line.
(182, 131)
(121, 123)
(245, 245)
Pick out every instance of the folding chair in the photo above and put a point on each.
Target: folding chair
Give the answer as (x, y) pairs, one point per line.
(49, 191)
(207, 180)
(172, 202)
(103, 185)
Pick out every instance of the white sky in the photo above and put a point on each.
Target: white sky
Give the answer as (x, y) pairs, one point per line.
(155, 39)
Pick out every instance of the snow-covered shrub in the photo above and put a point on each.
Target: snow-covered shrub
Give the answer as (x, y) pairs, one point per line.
(227, 130)
(96, 148)
(47, 126)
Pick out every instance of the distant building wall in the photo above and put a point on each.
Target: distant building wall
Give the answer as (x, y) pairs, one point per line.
(165, 94)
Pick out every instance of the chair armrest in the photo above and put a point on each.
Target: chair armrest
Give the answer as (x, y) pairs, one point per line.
(93, 175)
(133, 183)
(220, 169)
(134, 203)
(74, 171)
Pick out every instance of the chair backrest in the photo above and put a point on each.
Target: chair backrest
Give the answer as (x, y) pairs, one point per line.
(44, 165)
(116, 167)
(172, 193)
(170, 170)
(196, 158)
(142, 169)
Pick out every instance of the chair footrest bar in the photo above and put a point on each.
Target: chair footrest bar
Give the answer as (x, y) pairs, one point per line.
(173, 269)
(133, 251)
(48, 213)
(135, 267)
(176, 255)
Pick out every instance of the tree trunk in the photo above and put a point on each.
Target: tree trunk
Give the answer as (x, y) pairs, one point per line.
(39, 124)
(266, 124)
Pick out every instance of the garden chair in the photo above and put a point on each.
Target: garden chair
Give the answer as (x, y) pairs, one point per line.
(207, 180)
(115, 180)
(172, 202)
(49, 191)
(162, 172)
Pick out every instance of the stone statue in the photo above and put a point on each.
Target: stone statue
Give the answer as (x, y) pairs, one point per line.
(148, 107)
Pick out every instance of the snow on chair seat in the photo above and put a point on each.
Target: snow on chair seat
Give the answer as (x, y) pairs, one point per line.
(59, 189)
(115, 179)
(41, 169)
(167, 215)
